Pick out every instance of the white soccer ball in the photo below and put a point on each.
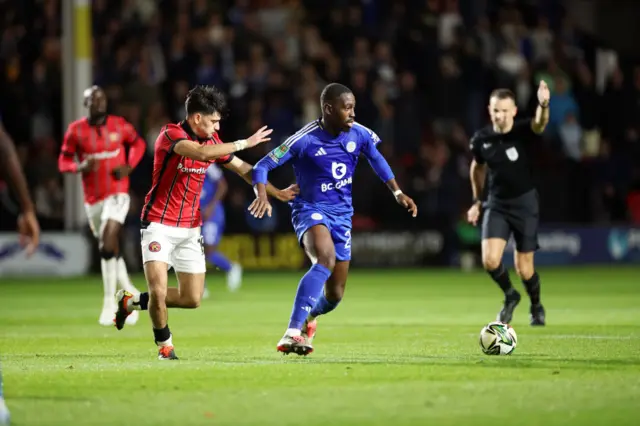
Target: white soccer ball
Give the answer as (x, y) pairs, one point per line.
(498, 338)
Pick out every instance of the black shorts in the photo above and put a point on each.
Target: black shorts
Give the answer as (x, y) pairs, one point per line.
(518, 216)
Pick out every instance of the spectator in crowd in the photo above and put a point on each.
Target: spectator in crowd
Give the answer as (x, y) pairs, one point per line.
(421, 70)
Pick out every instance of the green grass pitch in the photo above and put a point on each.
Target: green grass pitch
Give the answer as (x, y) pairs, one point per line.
(402, 349)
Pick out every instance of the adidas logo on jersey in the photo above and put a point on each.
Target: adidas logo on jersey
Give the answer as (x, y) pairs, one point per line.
(320, 152)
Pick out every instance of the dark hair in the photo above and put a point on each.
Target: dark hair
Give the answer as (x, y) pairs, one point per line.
(205, 100)
(332, 92)
(503, 94)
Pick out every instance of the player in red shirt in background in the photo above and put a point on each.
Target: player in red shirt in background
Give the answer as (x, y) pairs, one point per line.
(171, 219)
(98, 142)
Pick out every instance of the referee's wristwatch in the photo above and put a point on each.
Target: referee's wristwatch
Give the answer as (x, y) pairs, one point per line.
(478, 202)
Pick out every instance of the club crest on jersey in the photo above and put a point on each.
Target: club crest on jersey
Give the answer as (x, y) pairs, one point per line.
(154, 247)
(351, 146)
(114, 137)
(512, 154)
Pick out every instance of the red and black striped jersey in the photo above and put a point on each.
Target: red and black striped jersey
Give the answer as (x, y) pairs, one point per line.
(174, 198)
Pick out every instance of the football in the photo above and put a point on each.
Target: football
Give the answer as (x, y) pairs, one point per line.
(498, 338)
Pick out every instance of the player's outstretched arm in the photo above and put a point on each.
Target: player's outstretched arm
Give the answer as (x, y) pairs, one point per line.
(384, 172)
(245, 170)
(401, 198)
(541, 119)
(261, 170)
(195, 151)
(28, 226)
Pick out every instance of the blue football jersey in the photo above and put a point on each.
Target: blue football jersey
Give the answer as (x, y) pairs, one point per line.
(323, 164)
(210, 185)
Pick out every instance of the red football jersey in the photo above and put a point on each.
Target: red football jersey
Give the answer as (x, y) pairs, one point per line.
(174, 198)
(105, 143)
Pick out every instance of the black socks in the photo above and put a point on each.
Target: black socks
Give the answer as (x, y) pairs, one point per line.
(144, 301)
(501, 276)
(532, 285)
(161, 334)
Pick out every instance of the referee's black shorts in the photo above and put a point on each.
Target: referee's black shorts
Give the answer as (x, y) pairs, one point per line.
(518, 216)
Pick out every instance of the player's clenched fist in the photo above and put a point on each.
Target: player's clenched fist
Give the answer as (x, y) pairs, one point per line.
(473, 214)
(289, 193)
(88, 165)
(122, 171)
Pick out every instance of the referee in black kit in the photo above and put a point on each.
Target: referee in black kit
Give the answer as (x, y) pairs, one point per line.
(511, 207)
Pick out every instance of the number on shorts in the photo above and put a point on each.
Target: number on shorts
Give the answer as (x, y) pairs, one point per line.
(347, 245)
(201, 241)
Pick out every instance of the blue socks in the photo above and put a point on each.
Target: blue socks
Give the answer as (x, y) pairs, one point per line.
(310, 287)
(323, 306)
(220, 261)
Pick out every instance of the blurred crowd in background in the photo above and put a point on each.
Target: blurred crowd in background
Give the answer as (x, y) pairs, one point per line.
(421, 71)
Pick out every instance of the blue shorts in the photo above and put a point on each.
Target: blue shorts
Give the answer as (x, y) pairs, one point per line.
(213, 228)
(307, 216)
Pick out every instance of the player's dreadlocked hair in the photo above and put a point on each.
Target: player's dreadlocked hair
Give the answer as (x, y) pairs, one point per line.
(205, 100)
(332, 92)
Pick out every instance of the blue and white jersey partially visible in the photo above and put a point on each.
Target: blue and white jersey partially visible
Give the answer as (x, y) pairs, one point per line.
(213, 225)
(210, 186)
(324, 167)
(324, 164)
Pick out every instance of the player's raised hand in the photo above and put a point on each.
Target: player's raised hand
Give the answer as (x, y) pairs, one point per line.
(289, 193)
(473, 214)
(259, 137)
(405, 201)
(260, 206)
(29, 230)
(544, 95)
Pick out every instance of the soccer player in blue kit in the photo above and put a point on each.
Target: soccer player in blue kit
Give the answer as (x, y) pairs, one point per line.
(213, 191)
(324, 155)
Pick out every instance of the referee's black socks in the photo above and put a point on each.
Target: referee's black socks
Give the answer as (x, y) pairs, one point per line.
(501, 276)
(532, 285)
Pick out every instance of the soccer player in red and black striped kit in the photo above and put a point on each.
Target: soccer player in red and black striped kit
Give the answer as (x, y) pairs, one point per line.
(98, 142)
(171, 219)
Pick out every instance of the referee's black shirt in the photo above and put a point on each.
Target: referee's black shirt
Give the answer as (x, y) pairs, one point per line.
(506, 155)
